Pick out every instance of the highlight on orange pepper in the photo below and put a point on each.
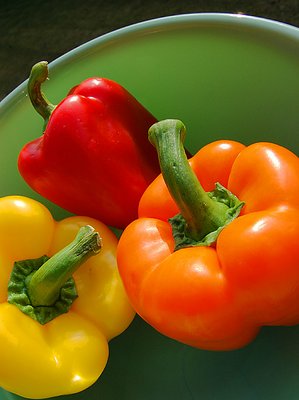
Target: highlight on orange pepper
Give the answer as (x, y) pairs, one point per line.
(61, 300)
(209, 266)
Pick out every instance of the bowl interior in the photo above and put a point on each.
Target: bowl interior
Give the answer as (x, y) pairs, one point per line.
(224, 76)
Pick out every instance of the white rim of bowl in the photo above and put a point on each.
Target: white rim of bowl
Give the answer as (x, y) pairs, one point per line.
(260, 23)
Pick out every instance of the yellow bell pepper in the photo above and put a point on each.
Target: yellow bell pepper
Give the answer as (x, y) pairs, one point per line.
(66, 354)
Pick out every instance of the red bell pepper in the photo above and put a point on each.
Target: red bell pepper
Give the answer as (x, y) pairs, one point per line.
(203, 267)
(94, 157)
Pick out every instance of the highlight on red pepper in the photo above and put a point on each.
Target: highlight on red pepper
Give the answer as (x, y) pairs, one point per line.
(209, 266)
(61, 300)
(94, 157)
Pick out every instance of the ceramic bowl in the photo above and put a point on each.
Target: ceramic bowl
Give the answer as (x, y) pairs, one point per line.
(225, 76)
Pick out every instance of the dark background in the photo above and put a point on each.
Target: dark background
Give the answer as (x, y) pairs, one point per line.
(33, 30)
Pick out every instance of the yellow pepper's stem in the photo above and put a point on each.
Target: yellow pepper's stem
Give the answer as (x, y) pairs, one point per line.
(44, 288)
(44, 285)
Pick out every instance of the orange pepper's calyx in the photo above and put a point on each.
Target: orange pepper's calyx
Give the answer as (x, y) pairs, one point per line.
(38, 75)
(44, 288)
(202, 215)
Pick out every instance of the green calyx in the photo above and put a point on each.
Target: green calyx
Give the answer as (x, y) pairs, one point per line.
(38, 75)
(202, 214)
(43, 288)
(18, 293)
(179, 226)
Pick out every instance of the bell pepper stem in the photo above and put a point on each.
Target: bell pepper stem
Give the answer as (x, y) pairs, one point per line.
(201, 213)
(44, 285)
(38, 75)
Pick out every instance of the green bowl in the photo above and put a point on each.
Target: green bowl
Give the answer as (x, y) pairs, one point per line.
(225, 76)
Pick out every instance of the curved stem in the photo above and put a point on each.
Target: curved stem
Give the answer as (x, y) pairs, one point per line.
(44, 285)
(38, 75)
(201, 213)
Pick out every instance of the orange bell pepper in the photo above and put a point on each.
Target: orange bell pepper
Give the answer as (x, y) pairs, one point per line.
(209, 267)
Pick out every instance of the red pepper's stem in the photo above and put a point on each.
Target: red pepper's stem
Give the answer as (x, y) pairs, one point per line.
(38, 75)
(202, 214)
(44, 285)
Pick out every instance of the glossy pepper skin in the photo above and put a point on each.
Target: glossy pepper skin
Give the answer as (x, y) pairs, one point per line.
(69, 353)
(93, 158)
(217, 297)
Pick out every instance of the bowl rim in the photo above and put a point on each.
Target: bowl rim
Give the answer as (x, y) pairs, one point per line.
(236, 19)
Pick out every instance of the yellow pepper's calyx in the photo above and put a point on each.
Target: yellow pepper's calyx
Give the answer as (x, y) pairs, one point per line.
(43, 288)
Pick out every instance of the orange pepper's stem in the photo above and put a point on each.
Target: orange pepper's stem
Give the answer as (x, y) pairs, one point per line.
(38, 75)
(202, 214)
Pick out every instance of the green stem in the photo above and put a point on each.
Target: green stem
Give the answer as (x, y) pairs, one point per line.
(44, 285)
(202, 214)
(38, 75)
